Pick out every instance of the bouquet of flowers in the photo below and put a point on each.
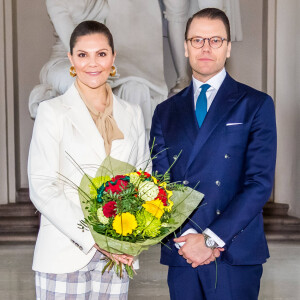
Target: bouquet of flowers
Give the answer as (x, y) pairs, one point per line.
(128, 210)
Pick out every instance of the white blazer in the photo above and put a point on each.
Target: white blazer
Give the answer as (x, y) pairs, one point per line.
(64, 125)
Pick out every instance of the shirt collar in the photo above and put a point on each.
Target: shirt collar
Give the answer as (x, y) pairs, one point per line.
(214, 82)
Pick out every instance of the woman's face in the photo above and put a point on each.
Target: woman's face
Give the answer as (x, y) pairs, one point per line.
(92, 58)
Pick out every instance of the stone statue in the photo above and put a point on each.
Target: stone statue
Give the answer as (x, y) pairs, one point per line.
(65, 16)
(177, 13)
(137, 30)
(138, 44)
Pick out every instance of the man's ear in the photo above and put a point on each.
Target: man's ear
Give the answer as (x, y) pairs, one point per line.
(186, 52)
(228, 50)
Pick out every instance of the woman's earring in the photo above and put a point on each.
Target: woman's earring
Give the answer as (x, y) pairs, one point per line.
(113, 71)
(73, 71)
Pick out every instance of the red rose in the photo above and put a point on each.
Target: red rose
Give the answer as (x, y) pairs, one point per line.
(117, 185)
(162, 196)
(146, 175)
(109, 209)
(118, 177)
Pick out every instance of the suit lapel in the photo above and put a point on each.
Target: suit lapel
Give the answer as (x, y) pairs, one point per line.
(226, 98)
(83, 122)
(185, 113)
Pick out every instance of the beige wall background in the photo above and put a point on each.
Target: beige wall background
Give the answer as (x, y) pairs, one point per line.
(33, 38)
(246, 61)
(3, 140)
(33, 41)
(287, 189)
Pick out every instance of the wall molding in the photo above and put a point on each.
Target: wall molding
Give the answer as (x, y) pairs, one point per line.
(7, 106)
(271, 48)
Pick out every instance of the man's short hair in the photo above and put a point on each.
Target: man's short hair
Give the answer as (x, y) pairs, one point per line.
(213, 14)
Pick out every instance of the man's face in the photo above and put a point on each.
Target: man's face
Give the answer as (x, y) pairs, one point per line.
(206, 61)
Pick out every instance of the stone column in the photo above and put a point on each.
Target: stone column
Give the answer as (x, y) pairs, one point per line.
(7, 124)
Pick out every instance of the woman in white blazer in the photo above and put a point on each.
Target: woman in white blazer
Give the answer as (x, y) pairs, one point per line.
(86, 123)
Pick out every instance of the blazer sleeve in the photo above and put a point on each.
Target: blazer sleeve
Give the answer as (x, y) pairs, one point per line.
(157, 145)
(259, 168)
(45, 186)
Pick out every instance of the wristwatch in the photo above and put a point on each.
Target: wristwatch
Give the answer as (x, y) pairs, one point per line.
(209, 242)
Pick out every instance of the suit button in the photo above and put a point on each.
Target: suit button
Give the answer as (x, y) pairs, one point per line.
(227, 156)
(218, 183)
(80, 248)
(218, 212)
(185, 182)
(175, 157)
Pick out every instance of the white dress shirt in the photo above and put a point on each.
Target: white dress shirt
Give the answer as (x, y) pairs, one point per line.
(214, 82)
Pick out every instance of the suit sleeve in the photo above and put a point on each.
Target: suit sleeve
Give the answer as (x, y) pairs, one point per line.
(157, 145)
(46, 188)
(259, 168)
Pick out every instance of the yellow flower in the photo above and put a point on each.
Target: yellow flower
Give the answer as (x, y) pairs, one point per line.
(154, 207)
(169, 207)
(170, 202)
(163, 184)
(169, 193)
(154, 179)
(124, 223)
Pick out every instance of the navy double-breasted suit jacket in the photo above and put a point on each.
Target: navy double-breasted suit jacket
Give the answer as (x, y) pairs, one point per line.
(232, 156)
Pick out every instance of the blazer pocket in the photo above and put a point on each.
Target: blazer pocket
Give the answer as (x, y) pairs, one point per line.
(235, 128)
(236, 139)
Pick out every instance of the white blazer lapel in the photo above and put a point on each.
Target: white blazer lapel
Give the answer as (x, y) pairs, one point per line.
(121, 116)
(81, 119)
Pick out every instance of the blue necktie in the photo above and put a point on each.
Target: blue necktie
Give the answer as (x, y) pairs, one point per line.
(201, 105)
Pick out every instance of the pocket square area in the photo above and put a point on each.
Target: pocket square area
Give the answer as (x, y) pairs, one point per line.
(233, 124)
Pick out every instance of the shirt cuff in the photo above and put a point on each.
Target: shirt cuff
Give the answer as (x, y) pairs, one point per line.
(191, 230)
(220, 242)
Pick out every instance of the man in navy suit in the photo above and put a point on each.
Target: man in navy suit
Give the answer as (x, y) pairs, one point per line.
(227, 134)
